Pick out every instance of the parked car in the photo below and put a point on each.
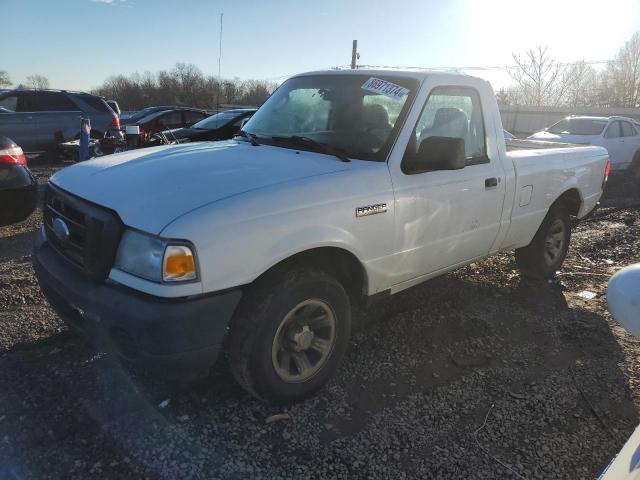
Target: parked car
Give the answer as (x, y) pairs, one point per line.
(221, 126)
(167, 120)
(42, 119)
(344, 187)
(619, 135)
(18, 188)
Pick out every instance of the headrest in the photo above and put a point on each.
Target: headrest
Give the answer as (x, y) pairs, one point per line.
(375, 115)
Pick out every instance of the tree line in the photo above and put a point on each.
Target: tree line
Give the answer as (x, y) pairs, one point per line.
(541, 80)
(183, 85)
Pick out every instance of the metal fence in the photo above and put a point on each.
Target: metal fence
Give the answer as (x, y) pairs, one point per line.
(521, 120)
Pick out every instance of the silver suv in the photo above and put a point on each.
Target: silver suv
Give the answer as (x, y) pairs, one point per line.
(42, 119)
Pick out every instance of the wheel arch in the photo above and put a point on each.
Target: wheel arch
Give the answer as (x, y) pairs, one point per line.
(337, 261)
(571, 199)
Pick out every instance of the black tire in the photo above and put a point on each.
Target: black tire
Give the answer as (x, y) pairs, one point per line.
(543, 256)
(258, 324)
(635, 169)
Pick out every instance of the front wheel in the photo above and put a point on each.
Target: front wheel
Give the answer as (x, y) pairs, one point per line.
(548, 249)
(289, 335)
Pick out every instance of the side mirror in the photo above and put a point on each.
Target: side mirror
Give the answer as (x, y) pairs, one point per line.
(437, 153)
(244, 122)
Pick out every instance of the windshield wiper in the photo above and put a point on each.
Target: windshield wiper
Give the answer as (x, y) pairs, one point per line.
(249, 136)
(296, 139)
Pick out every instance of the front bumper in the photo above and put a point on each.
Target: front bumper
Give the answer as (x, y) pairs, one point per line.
(177, 338)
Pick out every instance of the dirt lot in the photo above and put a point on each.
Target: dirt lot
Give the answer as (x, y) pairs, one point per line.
(555, 378)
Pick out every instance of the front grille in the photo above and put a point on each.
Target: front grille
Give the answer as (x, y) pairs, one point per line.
(93, 232)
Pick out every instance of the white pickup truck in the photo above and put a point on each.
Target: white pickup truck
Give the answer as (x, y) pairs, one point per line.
(344, 186)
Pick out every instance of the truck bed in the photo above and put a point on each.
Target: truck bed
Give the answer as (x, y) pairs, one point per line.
(524, 144)
(546, 170)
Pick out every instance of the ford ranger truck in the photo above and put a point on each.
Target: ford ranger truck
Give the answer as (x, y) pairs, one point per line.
(344, 186)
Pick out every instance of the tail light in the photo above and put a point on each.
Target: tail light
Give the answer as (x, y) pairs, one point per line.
(116, 122)
(607, 171)
(12, 156)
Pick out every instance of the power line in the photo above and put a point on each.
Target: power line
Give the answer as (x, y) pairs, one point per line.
(475, 67)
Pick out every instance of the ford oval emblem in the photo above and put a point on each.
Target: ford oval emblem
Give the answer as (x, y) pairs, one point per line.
(61, 229)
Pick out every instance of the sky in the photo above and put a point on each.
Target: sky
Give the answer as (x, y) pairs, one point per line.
(76, 44)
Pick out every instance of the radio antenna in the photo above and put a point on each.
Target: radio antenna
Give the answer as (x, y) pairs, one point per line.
(219, 73)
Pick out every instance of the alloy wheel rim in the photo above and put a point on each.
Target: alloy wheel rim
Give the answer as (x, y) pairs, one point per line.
(554, 242)
(304, 341)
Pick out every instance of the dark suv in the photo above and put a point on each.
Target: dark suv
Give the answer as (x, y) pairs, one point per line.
(41, 119)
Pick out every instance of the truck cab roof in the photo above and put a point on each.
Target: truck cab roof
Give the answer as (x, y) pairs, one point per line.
(419, 75)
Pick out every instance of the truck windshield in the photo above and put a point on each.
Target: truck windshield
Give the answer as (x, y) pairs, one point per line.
(359, 115)
(578, 126)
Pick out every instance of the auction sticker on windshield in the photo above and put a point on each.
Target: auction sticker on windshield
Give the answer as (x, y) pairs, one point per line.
(388, 89)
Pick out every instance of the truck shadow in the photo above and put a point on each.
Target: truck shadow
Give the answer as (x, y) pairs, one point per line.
(426, 364)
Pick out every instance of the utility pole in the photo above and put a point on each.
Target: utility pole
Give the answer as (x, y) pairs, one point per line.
(354, 54)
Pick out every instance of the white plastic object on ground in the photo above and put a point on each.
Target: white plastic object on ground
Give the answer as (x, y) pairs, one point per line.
(623, 298)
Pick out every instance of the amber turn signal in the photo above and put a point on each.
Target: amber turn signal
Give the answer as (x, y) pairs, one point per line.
(179, 264)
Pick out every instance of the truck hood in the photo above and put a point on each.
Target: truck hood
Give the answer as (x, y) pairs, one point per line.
(149, 188)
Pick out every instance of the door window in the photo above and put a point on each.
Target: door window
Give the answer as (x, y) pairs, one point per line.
(50, 102)
(192, 117)
(171, 118)
(453, 112)
(9, 104)
(628, 130)
(613, 131)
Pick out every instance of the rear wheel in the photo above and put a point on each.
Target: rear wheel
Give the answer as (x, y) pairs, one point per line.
(289, 335)
(635, 169)
(548, 249)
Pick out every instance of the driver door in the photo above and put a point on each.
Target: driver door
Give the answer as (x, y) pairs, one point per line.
(448, 217)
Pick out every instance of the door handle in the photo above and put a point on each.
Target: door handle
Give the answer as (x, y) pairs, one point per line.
(491, 182)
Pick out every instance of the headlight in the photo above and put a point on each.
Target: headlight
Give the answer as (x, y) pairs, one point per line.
(154, 258)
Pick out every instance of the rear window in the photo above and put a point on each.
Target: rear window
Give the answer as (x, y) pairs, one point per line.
(114, 106)
(96, 103)
(142, 113)
(217, 120)
(578, 126)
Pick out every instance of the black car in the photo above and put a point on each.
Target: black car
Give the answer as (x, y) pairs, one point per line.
(221, 126)
(18, 188)
(167, 119)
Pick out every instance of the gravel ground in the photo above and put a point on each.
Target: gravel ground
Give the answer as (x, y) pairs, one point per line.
(477, 374)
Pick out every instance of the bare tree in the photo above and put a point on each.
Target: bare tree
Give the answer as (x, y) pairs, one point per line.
(540, 79)
(621, 81)
(582, 87)
(5, 81)
(37, 81)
